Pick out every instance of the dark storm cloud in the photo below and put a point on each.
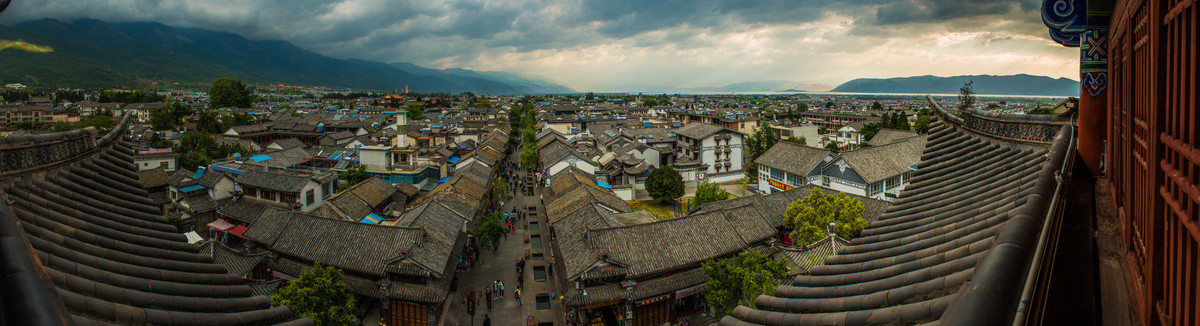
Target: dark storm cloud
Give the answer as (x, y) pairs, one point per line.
(317, 21)
(466, 31)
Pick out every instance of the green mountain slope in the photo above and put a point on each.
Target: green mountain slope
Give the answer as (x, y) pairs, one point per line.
(984, 84)
(150, 51)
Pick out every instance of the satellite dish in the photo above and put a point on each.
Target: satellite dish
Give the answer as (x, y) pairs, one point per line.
(4, 4)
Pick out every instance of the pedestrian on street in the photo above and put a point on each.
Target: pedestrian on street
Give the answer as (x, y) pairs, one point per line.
(487, 321)
(501, 288)
(488, 298)
(517, 296)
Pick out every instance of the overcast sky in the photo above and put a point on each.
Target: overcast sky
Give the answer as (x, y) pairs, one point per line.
(602, 45)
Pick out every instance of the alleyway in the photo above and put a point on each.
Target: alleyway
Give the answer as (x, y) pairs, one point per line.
(531, 238)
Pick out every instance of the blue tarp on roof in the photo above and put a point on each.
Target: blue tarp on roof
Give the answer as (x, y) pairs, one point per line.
(454, 159)
(646, 124)
(676, 124)
(337, 155)
(220, 168)
(191, 188)
(389, 112)
(199, 173)
(259, 158)
(371, 218)
(604, 184)
(257, 113)
(443, 180)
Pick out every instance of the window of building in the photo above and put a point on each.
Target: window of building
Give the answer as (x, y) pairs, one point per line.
(310, 197)
(777, 174)
(795, 180)
(539, 273)
(543, 303)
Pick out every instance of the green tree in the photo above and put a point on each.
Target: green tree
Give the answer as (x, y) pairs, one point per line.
(870, 130)
(709, 191)
(649, 102)
(500, 189)
(489, 230)
(197, 142)
(415, 113)
(194, 160)
(319, 294)
(235, 119)
(62, 126)
(743, 186)
(741, 279)
(833, 147)
(921, 126)
(207, 121)
(808, 217)
(665, 184)
(589, 96)
(228, 92)
(876, 106)
(799, 140)
(761, 140)
(169, 116)
(966, 95)
(529, 157)
(1040, 110)
(352, 176)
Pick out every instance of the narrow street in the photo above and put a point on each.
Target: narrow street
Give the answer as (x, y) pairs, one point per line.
(531, 242)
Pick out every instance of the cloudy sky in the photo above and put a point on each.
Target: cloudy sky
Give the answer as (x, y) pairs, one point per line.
(608, 45)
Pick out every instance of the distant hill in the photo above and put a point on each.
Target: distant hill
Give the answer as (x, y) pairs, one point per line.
(743, 87)
(94, 54)
(984, 84)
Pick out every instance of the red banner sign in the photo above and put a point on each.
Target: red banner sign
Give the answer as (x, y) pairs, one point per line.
(779, 185)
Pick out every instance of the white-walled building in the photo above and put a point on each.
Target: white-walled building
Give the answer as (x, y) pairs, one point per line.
(718, 148)
(788, 165)
(304, 191)
(879, 172)
(148, 160)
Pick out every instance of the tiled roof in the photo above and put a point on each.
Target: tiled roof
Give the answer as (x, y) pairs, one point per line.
(792, 158)
(698, 130)
(877, 163)
(153, 178)
(888, 136)
(953, 249)
(83, 244)
(248, 209)
(359, 247)
(273, 181)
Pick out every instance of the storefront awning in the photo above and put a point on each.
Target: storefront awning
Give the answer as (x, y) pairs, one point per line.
(220, 225)
(238, 230)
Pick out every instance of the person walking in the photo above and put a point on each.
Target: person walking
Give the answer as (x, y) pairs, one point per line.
(517, 296)
(501, 283)
(487, 321)
(488, 298)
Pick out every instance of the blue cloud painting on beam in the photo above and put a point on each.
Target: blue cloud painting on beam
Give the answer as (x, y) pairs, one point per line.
(1067, 19)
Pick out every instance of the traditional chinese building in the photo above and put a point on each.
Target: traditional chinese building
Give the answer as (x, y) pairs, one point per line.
(1138, 121)
(83, 244)
(964, 244)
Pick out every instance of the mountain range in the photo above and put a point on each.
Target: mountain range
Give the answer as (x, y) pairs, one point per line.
(89, 53)
(742, 87)
(1021, 84)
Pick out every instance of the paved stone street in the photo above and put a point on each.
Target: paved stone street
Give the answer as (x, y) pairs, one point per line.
(501, 265)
